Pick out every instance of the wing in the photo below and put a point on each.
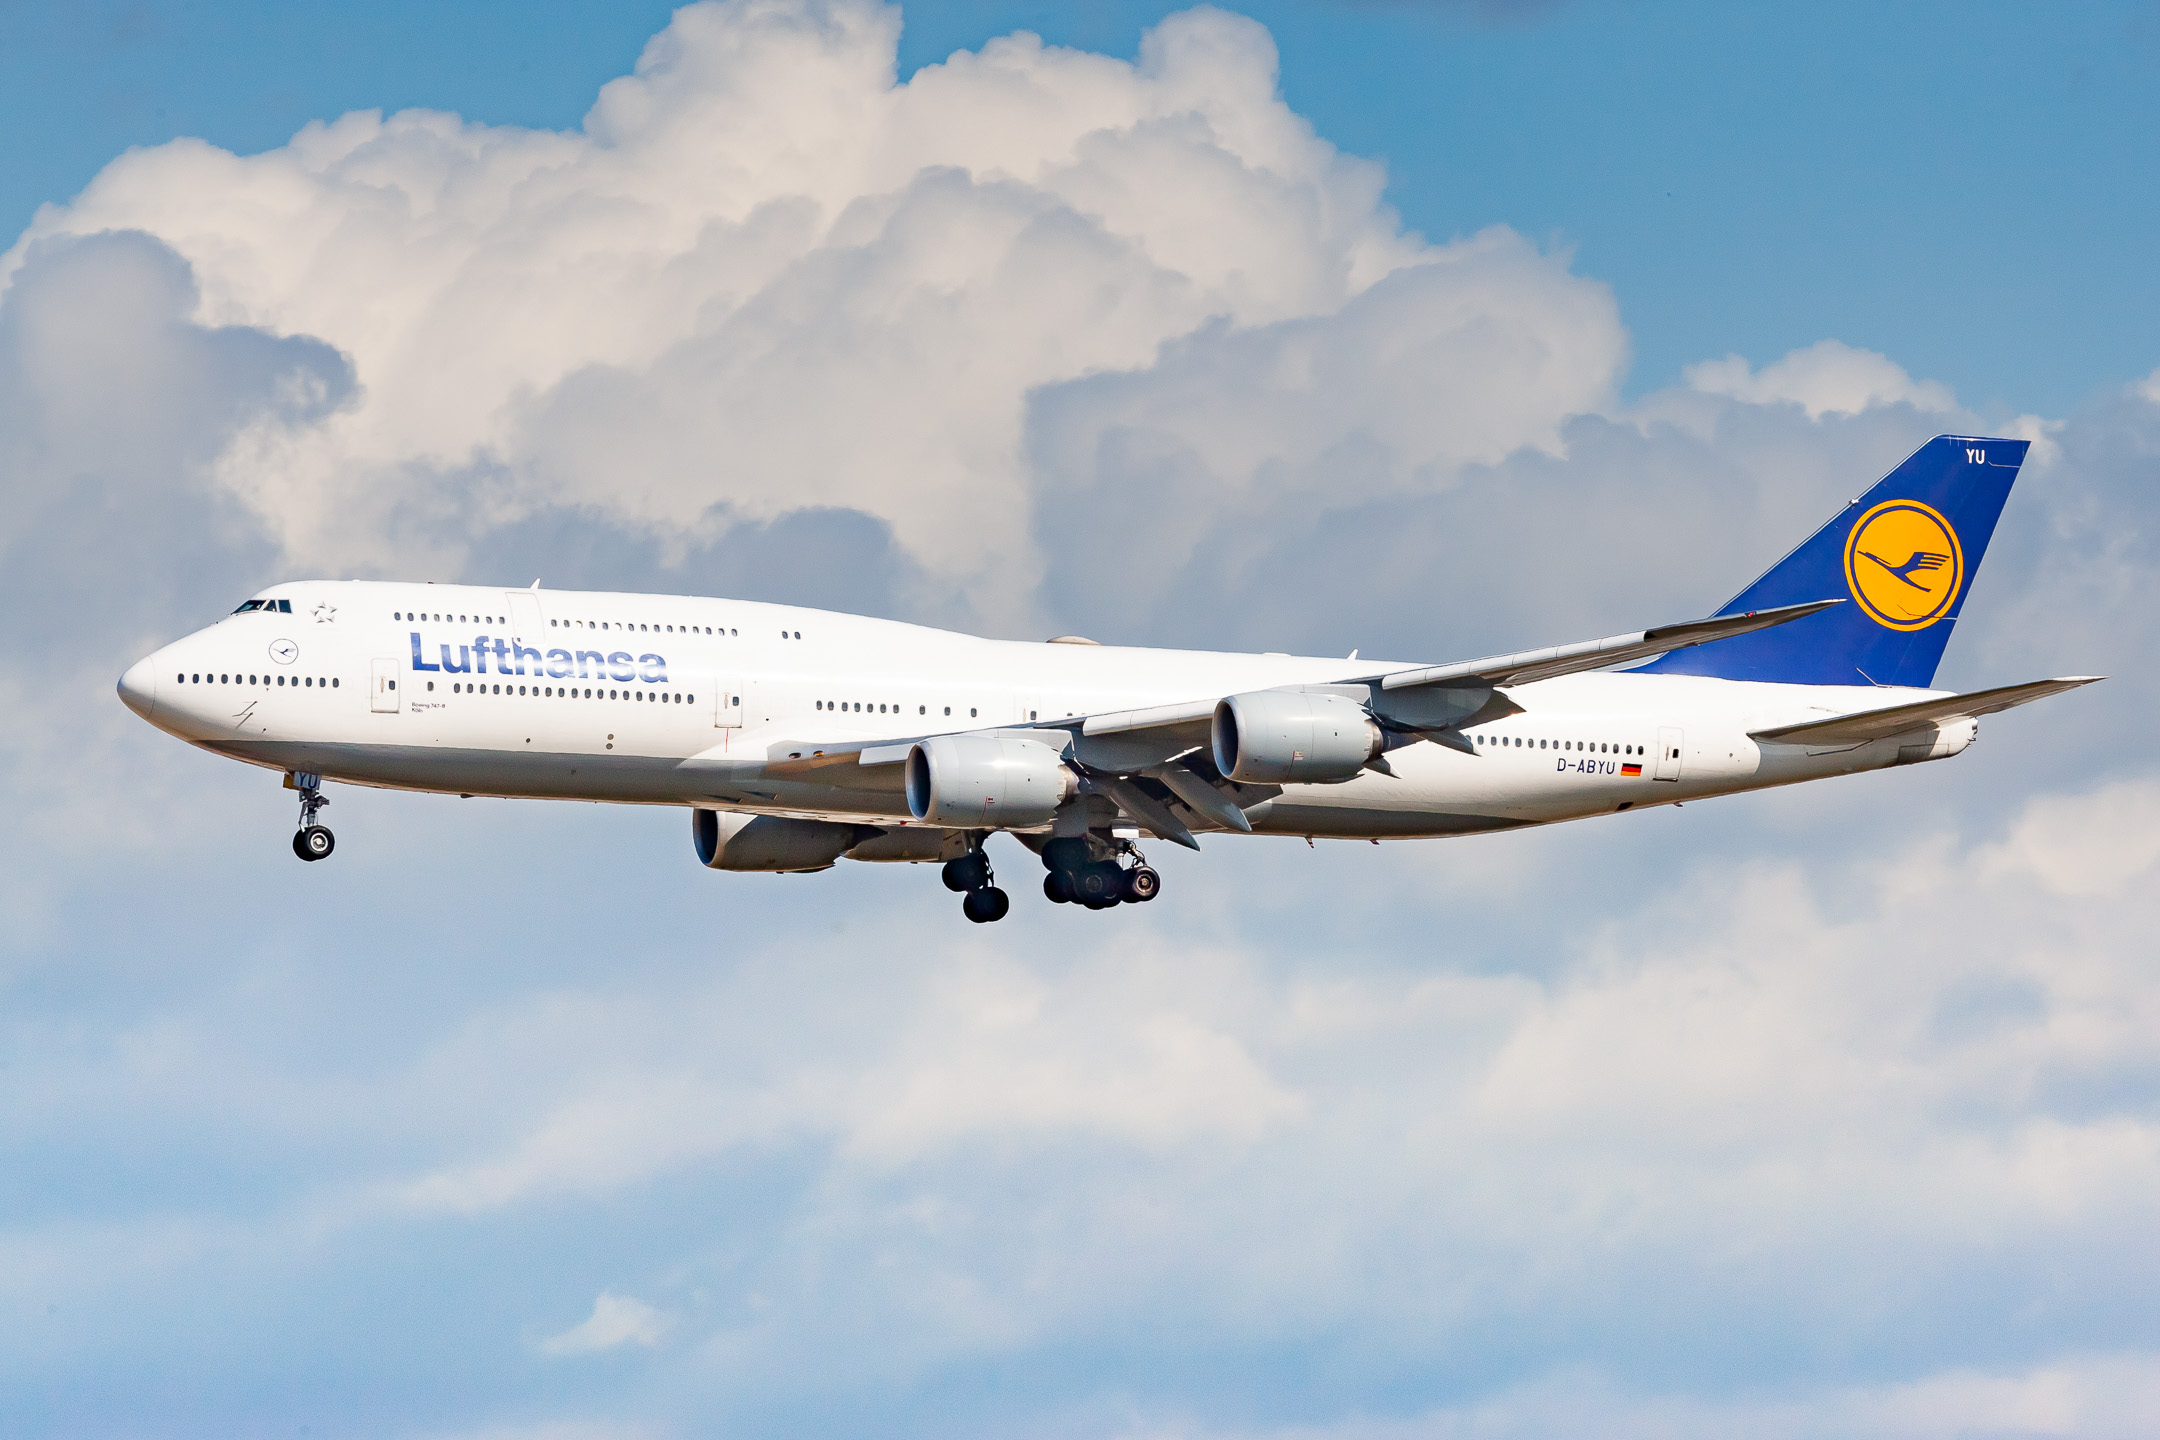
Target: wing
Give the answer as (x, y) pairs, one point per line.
(1865, 725)
(1529, 665)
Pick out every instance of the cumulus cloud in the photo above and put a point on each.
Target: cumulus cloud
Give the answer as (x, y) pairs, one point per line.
(762, 277)
(1828, 377)
(2103, 1397)
(1846, 1097)
(616, 1320)
(2091, 845)
(970, 1052)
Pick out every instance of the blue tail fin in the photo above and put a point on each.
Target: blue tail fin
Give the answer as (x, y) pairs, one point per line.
(1904, 554)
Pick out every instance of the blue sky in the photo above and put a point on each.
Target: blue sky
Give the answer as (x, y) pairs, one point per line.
(1968, 187)
(1430, 331)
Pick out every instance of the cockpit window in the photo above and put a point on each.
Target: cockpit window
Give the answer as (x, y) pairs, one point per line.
(283, 607)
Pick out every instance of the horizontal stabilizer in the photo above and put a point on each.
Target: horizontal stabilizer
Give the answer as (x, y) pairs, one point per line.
(1866, 725)
(1529, 665)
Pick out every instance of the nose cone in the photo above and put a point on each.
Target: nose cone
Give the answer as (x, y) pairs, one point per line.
(138, 688)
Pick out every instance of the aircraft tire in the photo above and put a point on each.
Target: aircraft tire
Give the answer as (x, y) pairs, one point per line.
(1142, 884)
(1057, 888)
(1100, 881)
(986, 904)
(967, 872)
(314, 843)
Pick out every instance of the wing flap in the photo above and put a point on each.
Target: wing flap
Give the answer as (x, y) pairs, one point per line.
(1865, 725)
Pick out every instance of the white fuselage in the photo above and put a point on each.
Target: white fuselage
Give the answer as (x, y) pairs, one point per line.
(663, 700)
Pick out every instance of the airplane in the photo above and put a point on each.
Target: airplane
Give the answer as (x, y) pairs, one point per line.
(796, 738)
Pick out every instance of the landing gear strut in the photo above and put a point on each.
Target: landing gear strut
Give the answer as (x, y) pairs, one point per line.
(1081, 876)
(971, 873)
(311, 841)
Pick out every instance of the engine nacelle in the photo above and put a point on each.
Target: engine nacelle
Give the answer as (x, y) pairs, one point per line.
(986, 782)
(1937, 742)
(727, 841)
(1280, 737)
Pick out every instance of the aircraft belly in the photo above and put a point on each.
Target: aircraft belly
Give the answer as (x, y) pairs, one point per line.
(1350, 822)
(637, 779)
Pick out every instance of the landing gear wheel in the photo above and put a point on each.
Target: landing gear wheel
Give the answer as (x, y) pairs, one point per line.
(969, 872)
(1142, 884)
(985, 905)
(1099, 882)
(314, 843)
(1057, 889)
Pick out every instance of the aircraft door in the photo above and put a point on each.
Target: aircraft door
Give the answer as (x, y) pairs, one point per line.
(727, 705)
(383, 698)
(526, 622)
(1670, 742)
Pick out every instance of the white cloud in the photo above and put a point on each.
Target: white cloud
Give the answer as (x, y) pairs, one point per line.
(2095, 1397)
(616, 1321)
(2091, 846)
(1828, 377)
(972, 1051)
(763, 276)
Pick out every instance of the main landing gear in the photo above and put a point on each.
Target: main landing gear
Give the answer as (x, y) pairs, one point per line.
(311, 841)
(971, 873)
(1080, 876)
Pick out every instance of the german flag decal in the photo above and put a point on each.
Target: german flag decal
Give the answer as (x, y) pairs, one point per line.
(1631, 769)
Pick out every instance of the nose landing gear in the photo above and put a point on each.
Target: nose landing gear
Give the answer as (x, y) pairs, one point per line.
(971, 873)
(311, 841)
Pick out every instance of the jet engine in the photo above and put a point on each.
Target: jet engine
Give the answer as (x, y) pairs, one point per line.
(727, 841)
(986, 782)
(1279, 737)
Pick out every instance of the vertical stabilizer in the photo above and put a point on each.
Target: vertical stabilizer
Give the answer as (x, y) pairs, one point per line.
(1904, 553)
